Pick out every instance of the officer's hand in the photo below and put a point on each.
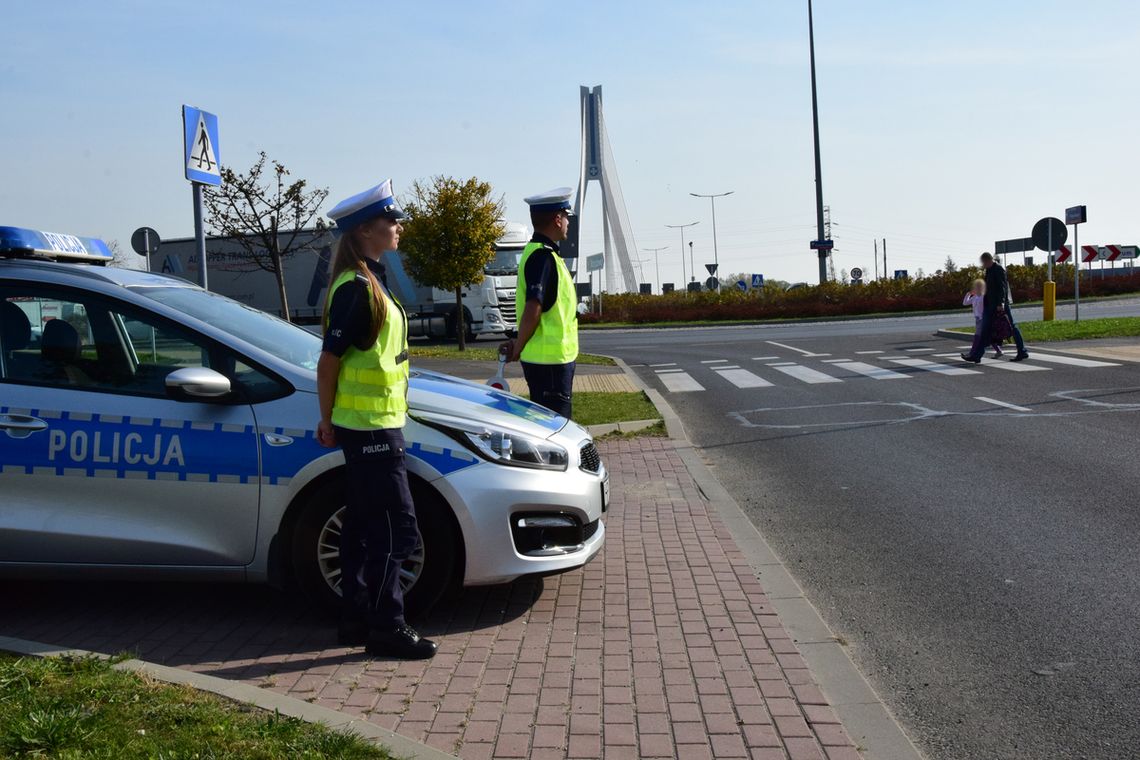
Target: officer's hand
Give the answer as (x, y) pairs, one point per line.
(507, 347)
(326, 436)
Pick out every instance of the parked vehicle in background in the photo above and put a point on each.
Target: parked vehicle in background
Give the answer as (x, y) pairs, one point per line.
(489, 306)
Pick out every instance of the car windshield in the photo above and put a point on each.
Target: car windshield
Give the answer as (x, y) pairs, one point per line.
(506, 262)
(275, 336)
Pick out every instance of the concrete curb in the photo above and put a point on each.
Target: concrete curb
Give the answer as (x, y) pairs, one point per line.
(264, 699)
(954, 335)
(864, 715)
(620, 427)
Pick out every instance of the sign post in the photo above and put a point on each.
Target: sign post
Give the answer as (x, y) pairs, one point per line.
(1048, 235)
(1076, 215)
(200, 160)
(145, 242)
(596, 262)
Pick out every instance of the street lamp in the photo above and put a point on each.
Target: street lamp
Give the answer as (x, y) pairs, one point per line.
(712, 202)
(818, 174)
(692, 266)
(657, 260)
(640, 270)
(682, 227)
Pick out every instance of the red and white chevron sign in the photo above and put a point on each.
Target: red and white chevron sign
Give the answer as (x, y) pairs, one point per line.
(1090, 253)
(1113, 252)
(1063, 254)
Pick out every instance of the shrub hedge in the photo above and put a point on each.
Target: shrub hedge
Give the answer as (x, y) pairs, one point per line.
(942, 290)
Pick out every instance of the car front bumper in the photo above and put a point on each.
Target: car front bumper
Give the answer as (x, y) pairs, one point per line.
(502, 511)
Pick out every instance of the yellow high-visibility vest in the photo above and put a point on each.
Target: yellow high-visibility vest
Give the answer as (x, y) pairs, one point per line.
(372, 388)
(555, 340)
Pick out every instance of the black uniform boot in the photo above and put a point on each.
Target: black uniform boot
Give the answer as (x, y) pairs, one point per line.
(401, 642)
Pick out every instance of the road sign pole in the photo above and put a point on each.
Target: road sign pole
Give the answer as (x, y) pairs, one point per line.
(146, 242)
(1050, 287)
(1076, 275)
(199, 235)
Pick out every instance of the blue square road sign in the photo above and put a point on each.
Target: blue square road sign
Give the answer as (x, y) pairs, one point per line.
(200, 142)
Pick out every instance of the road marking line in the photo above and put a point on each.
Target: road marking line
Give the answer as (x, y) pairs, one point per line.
(742, 378)
(891, 358)
(917, 350)
(833, 361)
(666, 364)
(714, 361)
(668, 371)
(1014, 366)
(870, 370)
(680, 382)
(764, 358)
(941, 369)
(793, 348)
(806, 374)
(995, 402)
(1070, 360)
(865, 353)
(780, 364)
(725, 366)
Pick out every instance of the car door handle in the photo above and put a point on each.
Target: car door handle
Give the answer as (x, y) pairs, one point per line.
(21, 426)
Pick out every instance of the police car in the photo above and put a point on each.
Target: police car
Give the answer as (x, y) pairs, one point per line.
(150, 428)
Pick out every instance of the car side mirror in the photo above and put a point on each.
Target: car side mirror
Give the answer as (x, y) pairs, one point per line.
(196, 383)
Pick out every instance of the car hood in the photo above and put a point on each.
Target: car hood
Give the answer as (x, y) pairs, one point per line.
(443, 398)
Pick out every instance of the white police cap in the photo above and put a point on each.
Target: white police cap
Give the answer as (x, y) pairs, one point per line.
(557, 199)
(362, 207)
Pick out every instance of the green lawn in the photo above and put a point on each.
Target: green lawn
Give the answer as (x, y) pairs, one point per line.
(602, 408)
(83, 709)
(1107, 327)
(483, 353)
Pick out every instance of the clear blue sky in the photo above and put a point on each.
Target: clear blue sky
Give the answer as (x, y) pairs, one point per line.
(945, 126)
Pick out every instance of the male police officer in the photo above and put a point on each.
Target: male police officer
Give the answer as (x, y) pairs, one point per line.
(547, 305)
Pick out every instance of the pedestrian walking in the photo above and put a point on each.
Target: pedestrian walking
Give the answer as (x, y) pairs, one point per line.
(996, 303)
(547, 305)
(362, 384)
(975, 298)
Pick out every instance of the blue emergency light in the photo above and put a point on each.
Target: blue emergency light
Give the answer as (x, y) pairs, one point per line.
(18, 241)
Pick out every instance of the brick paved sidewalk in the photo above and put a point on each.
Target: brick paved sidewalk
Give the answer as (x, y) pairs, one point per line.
(664, 646)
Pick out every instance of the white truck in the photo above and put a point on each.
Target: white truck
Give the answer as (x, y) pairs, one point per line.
(489, 305)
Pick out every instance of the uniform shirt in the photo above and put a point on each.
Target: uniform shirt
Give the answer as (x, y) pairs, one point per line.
(350, 314)
(541, 273)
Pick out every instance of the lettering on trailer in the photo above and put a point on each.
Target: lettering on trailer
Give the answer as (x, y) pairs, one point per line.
(1063, 254)
(1090, 253)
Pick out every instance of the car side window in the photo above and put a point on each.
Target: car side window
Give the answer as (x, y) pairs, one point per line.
(47, 340)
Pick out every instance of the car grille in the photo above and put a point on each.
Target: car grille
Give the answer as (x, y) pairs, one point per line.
(589, 529)
(508, 309)
(591, 461)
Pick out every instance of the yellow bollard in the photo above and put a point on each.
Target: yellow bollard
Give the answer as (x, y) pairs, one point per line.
(1050, 301)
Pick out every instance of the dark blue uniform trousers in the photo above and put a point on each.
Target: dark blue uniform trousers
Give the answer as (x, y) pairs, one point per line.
(379, 529)
(551, 385)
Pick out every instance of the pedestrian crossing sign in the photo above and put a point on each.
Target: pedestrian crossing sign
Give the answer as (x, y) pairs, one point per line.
(200, 141)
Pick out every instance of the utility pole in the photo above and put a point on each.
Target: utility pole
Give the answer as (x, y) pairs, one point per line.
(712, 202)
(827, 236)
(657, 261)
(818, 172)
(692, 266)
(876, 259)
(682, 227)
(885, 270)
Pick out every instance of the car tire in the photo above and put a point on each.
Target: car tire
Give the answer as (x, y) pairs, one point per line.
(314, 553)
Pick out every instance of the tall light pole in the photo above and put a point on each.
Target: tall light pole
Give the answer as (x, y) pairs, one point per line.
(682, 227)
(657, 261)
(640, 271)
(712, 202)
(818, 173)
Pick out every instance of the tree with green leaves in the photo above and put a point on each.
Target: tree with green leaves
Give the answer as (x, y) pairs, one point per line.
(451, 235)
(266, 215)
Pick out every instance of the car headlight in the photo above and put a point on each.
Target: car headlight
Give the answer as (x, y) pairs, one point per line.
(502, 446)
(516, 449)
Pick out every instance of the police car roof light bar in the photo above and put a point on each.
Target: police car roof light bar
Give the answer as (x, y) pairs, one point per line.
(22, 242)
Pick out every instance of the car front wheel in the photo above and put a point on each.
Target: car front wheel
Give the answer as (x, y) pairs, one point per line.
(425, 575)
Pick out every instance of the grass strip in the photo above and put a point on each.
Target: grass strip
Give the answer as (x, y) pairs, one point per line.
(1104, 327)
(596, 408)
(83, 709)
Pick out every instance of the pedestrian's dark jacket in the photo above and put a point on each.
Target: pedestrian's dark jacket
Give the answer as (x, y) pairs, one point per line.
(996, 287)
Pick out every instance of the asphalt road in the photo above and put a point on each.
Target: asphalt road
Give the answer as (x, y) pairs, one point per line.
(971, 531)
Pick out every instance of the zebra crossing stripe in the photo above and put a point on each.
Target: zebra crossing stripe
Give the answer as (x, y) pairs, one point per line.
(1070, 360)
(870, 370)
(806, 374)
(941, 369)
(742, 378)
(680, 382)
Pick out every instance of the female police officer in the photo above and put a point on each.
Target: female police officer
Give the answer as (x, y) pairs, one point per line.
(362, 382)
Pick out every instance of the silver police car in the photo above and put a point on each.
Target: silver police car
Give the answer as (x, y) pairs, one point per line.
(152, 429)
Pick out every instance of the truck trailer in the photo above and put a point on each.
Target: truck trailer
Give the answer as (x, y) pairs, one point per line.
(489, 305)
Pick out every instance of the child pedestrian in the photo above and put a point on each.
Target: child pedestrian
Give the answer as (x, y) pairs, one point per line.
(976, 298)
